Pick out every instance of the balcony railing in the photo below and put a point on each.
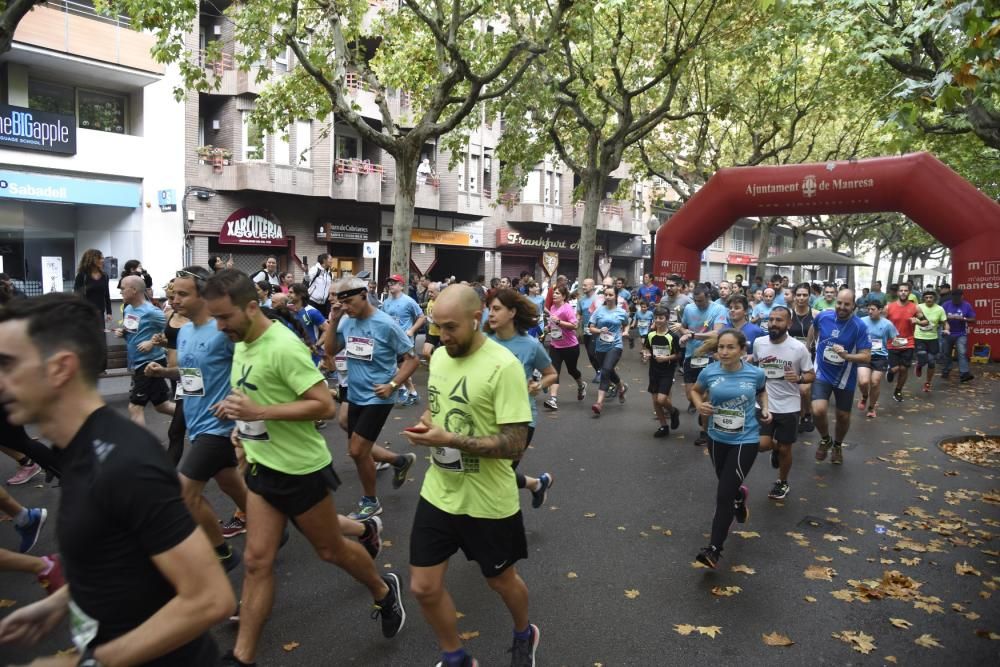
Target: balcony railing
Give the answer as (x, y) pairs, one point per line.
(80, 9)
(355, 166)
(224, 62)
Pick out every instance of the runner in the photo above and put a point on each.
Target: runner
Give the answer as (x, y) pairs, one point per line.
(145, 584)
(927, 336)
(433, 337)
(277, 393)
(512, 316)
(649, 292)
(312, 319)
(725, 291)
(168, 341)
(476, 426)
(960, 316)
(660, 349)
(608, 324)
(642, 320)
(801, 325)
(880, 332)
(787, 365)
(828, 300)
(585, 308)
(374, 343)
(841, 343)
(905, 316)
(724, 393)
(408, 316)
(735, 317)
(564, 347)
(699, 321)
(762, 311)
(204, 363)
(142, 320)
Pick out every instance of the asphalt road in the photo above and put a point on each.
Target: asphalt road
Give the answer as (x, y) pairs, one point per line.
(610, 568)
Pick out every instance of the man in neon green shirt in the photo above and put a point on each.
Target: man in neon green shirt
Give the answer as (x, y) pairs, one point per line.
(476, 425)
(926, 337)
(277, 395)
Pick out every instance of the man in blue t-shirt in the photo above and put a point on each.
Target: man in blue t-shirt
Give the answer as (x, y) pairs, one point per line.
(699, 321)
(374, 343)
(585, 309)
(204, 364)
(960, 314)
(410, 318)
(650, 292)
(880, 332)
(141, 322)
(841, 343)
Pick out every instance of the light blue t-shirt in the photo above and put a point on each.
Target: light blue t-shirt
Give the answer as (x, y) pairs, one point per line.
(140, 323)
(779, 298)
(733, 395)
(539, 302)
(879, 334)
(614, 320)
(404, 310)
(644, 320)
(532, 356)
(311, 320)
(625, 295)
(852, 334)
(205, 360)
(700, 321)
(583, 305)
(763, 311)
(372, 346)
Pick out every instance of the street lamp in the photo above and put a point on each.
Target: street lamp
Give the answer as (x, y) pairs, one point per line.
(653, 224)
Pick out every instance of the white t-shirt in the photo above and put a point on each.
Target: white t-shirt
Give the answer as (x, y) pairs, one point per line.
(774, 358)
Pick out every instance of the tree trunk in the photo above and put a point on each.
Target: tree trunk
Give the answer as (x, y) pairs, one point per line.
(892, 269)
(592, 195)
(402, 215)
(878, 256)
(798, 243)
(765, 227)
(851, 269)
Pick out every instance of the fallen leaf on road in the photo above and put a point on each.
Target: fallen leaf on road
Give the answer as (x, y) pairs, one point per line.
(290, 646)
(571, 575)
(890, 658)
(927, 641)
(695, 564)
(824, 559)
(744, 569)
(459, 614)
(775, 639)
(7, 603)
(684, 629)
(845, 594)
(834, 538)
(466, 636)
(964, 568)
(986, 634)
(930, 608)
(710, 630)
(832, 510)
(849, 551)
(809, 598)
(901, 623)
(589, 515)
(631, 593)
(972, 616)
(859, 641)
(910, 561)
(746, 535)
(725, 592)
(820, 573)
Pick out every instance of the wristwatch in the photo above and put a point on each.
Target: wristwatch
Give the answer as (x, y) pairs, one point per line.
(393, 384)
(87, 659)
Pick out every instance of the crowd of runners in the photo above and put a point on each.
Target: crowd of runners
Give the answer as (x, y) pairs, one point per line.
(252, 369)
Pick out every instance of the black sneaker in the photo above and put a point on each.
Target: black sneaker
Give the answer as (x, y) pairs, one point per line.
(662, 432)
(622, 392)
(709, 557)
(897, 396)
(807, 423)
(545, 481)
(675, 419)
(399, 472)
(775, 463)
(390, 608)
(230, 660)
(372, 543)
(232, 561)
(965, 377)
(701, 440)
(522, 651)
(890, 375)
(779, 490)
(742, 510)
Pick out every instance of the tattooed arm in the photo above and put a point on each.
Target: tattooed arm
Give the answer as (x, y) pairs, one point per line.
(509, 443)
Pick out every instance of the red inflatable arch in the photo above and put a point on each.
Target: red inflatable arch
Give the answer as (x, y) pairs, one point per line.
(917, 185)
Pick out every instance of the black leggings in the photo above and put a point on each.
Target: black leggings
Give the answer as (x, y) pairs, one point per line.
(570, 355)
(608, 360)
(588, 345)
(175, 433)
(521, 482)
(732, 464)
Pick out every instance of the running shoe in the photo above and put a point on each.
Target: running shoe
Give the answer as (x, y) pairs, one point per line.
(597, 378)
(927, 387)
(779, 490)
(808, 424)
(372, 543)
(612, 391)
(237, 525)
(675, 419)
(823, 448)
(545, 481)
(30, 531)
(662, 432)
(596, 409)
(701, 440)
(230, 660)
(709, 557)
(401, 396)
(890, 375)
(522, 651)
(581, 391)
(897, 396)
(412, 399)
(871, 413)
(837, 457)
(232, 561)
(692, 409)
(742, 510)
(24, 474)
(550, 403)
(965, 377)
(400, 472)
(862, 404)
(382, 465)
(320, 424)
(920, 370)
(390, 608)
(52, 579)
(622, 392)
(366, 509)
(775, 463)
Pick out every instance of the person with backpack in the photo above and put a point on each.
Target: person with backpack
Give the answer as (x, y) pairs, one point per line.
(317, 282)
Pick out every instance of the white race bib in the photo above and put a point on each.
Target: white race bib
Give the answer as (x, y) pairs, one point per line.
(773, 370)
(728, 421)
(447, 458)
(832, 357)
(359, 347)
(192, 382)
(178, 392)
(341, 364)
(607, 337)
(699, 362)
(131, 323)
(672, 317)
(82, 628)
(661, 351)
(928, 328)
(900, 341)
(256, 430)
(556, 333)
(877, 345)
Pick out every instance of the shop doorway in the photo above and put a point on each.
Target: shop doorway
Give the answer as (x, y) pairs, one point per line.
(461, 263)
(344, 267)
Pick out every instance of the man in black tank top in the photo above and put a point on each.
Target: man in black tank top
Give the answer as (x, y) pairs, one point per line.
(799, 328)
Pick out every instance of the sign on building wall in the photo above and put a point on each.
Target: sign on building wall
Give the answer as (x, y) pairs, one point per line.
(33, 130)
(252, 227)
(333, 231)
(67, 190)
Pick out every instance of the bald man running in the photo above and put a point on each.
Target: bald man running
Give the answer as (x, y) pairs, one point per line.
(142, 320)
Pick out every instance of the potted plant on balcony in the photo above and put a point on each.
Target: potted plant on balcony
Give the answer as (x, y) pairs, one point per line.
(204, 153)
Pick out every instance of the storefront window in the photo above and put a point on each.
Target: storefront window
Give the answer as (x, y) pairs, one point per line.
(101, 111)
(51, 97)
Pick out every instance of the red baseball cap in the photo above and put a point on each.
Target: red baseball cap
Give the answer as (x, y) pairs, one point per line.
(396, 278)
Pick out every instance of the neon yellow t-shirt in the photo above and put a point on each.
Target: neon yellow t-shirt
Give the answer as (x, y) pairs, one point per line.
(935, 317)
(474, 395)
(432, 328)
(277, 368)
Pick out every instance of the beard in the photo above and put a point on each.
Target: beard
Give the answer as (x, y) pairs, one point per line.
(774, 334)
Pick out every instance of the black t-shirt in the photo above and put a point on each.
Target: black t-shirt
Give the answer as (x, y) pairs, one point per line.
(121, 505)
(657, 339)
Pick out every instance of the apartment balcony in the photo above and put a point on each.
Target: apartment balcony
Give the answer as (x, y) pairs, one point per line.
(610, 218)
(261, 176)
(357, 180)
(76, 29)
(522, 211)
(225, 79)
(474, 203)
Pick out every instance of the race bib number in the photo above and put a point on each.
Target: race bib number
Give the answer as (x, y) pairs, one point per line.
(672, 317)
(256, 430)
(178, 392)
(192, 382)
(82, 627)
(728, 421)
(661, 351)
(877, 345)
(928, 328)
(361, 348)
(699, 362)
(607, 337)
(131, 323)
(341, 364)
(832, 357)
(773, 370)
(447, 458)
(556, 333)
(900, 341)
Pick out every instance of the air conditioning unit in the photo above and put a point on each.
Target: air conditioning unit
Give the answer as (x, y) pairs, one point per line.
(217, 29)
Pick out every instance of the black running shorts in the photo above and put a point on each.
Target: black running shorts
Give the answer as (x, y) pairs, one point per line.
(661, 377)
(367, 420)
(292, 495)
(784, 427)
(207, 456)
(145, 390)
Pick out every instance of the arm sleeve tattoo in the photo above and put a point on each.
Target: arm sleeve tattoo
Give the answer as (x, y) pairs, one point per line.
(509, 443)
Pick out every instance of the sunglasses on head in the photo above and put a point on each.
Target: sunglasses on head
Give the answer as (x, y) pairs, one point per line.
(187, 274)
